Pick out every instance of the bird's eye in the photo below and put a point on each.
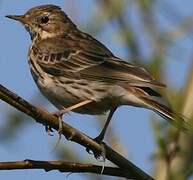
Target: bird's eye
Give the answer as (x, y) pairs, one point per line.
(44, 19)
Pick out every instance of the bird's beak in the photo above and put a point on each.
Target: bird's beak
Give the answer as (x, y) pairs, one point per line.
(20, 18)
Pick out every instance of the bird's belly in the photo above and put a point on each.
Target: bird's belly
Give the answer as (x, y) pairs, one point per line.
(66, 95)
(71, 92)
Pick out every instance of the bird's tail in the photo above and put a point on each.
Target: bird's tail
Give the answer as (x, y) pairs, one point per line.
(181, 122)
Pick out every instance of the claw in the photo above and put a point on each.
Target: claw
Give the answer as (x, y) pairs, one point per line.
(49, 130)
(102, 153)
(99, 141)
(60, 128)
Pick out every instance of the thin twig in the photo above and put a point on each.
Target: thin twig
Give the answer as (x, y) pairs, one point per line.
(45, 118)
(63, 166)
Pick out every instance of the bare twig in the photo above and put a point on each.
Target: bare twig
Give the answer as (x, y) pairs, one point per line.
(63, 166)
(45, 118)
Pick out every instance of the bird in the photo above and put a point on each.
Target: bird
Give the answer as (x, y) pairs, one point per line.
(76, 72)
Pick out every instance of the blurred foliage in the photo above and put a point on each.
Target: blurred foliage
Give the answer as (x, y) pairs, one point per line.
(15, 120)
(136, 25)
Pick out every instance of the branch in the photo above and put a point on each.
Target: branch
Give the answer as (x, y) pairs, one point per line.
(63, 166)
(71, 133)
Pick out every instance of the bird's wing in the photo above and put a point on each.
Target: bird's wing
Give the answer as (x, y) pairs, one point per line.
(91, 62)
(115, 70)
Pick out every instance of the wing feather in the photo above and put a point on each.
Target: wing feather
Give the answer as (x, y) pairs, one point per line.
(84, 60)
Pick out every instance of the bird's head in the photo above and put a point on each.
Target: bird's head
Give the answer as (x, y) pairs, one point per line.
(46, 21)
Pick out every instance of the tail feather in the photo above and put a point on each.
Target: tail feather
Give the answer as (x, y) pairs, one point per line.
(174, 118)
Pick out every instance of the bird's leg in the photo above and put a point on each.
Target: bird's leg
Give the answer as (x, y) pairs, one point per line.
(63, 111)
(100, 137)
(59, 114)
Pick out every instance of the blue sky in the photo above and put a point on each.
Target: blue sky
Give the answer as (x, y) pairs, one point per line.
(33, 143)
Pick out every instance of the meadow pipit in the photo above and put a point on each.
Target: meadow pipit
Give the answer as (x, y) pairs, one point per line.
(75, 71)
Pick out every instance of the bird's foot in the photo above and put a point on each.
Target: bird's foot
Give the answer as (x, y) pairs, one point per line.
(48, 130)
(58, 114)
(47, 127)
(60, 128)
(102, 154)
(98, 140)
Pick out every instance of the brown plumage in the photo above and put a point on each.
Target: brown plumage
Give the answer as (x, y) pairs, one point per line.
(72, 68)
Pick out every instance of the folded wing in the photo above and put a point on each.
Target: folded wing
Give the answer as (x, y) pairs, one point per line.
(90, 62)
